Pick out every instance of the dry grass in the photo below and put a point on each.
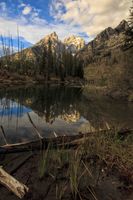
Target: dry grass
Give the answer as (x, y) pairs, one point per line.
(76, 168)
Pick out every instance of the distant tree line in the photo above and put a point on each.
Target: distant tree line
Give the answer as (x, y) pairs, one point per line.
(60, 64)
(48, 63)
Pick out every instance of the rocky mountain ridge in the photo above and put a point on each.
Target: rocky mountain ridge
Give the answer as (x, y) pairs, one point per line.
(101, 46)
(104, 43)
(56, 44)
(108, 62)
(72, 45)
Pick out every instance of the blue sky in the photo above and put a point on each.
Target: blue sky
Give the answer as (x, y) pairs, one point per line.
(37, 18)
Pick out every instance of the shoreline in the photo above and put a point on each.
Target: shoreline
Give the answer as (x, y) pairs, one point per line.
(90, 91)
(95, 92)
(57, 168)
(67, 82)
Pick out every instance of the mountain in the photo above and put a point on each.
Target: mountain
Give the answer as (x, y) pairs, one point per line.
(35, 52)
(108, 60)
(104, 43)
(56, 44)
(48, 58)
(74, 43)
(71, 44)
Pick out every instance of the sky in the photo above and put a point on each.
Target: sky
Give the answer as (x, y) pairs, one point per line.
(37, 18)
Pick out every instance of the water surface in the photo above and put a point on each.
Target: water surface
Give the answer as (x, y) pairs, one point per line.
(56, 109)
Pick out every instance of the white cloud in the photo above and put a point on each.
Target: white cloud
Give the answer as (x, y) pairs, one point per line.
(33, 32)
(92, 15)
(3, 6)
(27, 10)
(3, 9)
(34, 27)
(21, 5)
(70, 18)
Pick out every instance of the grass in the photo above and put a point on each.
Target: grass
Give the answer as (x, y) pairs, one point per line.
(130, 98)
(44, 163)
(74, 173)
(81, 168)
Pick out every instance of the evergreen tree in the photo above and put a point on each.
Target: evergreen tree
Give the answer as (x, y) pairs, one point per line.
(129, 32)
(62, 71)
(49, 61)
(74, 65)
(80, 70)
(131, 17)
(64, 59)
(43, 62)
(54, 63)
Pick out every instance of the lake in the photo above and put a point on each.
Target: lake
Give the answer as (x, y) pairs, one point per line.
(57, 110)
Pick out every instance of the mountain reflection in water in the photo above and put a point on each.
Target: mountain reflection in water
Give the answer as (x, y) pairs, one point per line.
(59, 109)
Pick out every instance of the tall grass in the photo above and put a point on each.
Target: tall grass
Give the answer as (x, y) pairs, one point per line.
(77, 170)
(44, 163)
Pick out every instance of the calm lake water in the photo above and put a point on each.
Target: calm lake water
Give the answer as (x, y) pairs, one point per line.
(57, 109)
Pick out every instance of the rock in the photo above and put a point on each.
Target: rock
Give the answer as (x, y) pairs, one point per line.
(71, 44)
(123, 26)
(74, 43)
(106, 34)
(108, 61)
(106, 41)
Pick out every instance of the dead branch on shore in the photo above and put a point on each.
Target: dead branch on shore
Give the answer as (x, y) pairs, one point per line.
(19, 189)
(56, 142)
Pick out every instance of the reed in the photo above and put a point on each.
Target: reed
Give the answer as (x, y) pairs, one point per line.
(76, 168)
(44, 163)
(74, 173)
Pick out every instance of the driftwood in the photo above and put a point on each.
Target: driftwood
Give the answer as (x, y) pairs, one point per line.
(19, 189)
(56, 142)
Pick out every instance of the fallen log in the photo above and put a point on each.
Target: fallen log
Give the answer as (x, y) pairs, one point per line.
(56, 142)
(19, 189)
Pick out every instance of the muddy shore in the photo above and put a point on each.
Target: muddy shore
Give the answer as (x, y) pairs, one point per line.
(111, 184)
(100, 168)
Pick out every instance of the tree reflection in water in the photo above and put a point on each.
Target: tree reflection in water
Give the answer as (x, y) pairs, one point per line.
(56, 108)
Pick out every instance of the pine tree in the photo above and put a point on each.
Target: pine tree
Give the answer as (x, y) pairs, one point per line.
(62, 71)
(74, 66)
(43, 62)
(49, 61)
(64, 59)
(54, 63)
(131, 17)
(129, 32)
(80, 70)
